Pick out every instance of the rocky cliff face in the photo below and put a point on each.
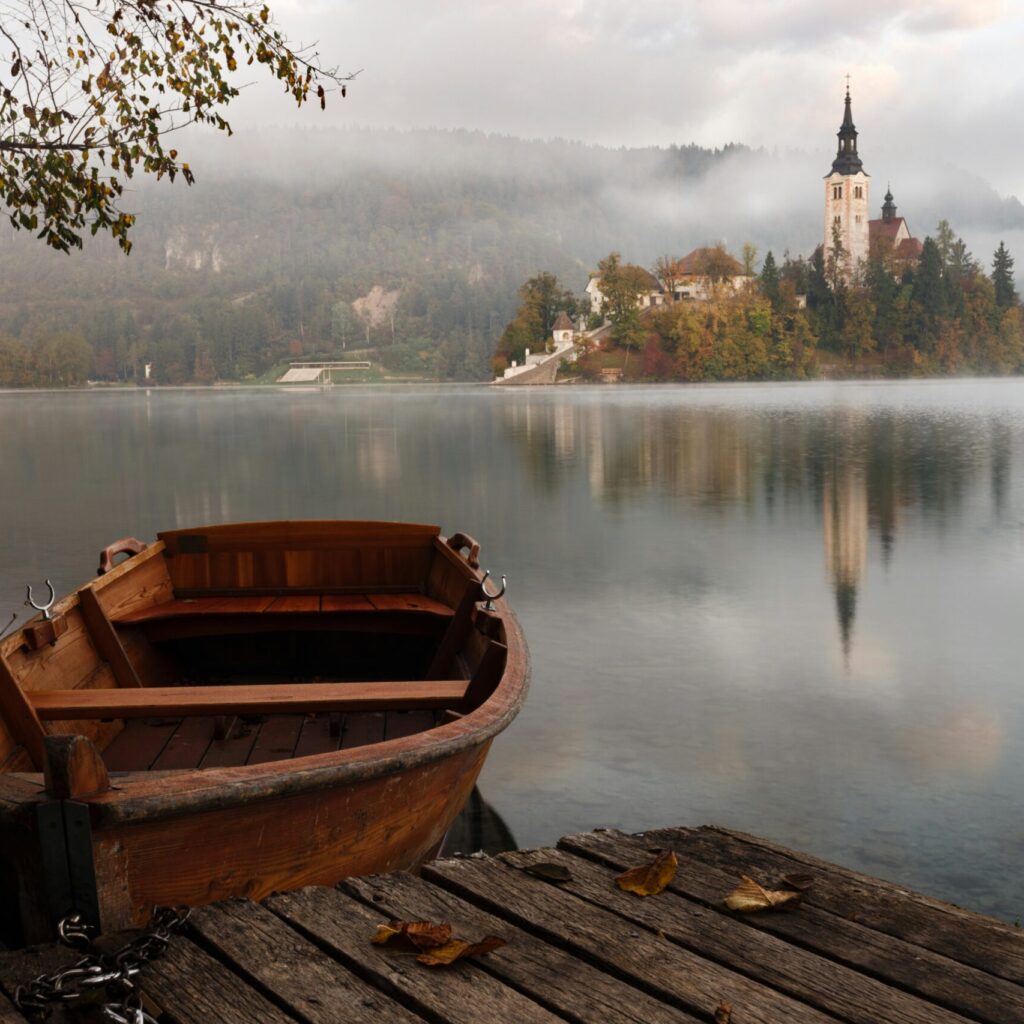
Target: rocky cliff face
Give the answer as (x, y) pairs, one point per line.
(194, 249)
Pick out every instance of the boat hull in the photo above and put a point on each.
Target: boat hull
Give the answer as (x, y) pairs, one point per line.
(126, 841)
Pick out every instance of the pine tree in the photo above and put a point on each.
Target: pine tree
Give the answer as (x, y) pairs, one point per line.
(929, 296)
(1002, 278)
(770, 281)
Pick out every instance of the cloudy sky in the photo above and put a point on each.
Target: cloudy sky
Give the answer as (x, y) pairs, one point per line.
(930, 78)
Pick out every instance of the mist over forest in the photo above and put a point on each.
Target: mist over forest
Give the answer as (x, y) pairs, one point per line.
(260, 261)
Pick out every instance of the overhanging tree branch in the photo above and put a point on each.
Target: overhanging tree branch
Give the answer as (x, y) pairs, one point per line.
(94, 87)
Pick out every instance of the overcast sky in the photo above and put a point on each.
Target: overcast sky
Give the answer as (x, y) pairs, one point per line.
(928, 77)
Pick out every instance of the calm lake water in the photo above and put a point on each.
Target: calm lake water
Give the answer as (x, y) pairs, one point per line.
(792, 609)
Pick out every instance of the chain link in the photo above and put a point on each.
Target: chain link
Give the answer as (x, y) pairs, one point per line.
(107, 976)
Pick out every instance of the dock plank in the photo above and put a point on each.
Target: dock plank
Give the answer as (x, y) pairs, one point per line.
(958, 934)
(775, 963)
(549, 975)
(930, 975)
(194, 988)
(646, 960)
(467, 995)
(8, 1014)
(856, 950)
(262, 948)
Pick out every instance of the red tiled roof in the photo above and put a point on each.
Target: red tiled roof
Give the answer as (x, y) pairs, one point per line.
(562, 322)
(694, 264)
(909, 249)
(884, 229)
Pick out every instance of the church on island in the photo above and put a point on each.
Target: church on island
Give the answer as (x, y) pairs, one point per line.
(847, 206)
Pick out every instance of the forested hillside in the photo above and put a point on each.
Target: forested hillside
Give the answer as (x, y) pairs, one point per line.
(262, 260)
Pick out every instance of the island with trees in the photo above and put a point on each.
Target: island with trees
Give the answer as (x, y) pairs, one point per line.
(710, 317)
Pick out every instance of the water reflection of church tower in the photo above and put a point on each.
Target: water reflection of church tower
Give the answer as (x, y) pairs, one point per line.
(845, 513)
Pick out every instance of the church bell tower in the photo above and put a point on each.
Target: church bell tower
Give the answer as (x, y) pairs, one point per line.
(846, 198)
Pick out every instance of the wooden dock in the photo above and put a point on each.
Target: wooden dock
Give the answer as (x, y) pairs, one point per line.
(856, 949)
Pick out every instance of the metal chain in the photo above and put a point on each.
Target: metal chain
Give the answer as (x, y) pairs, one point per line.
(108, 976)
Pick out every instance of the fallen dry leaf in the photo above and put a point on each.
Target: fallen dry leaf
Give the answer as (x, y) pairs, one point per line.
(418, 934)
(723, 1012)
(749, 897)
(456, 949)
(549, 871)
(650, 879)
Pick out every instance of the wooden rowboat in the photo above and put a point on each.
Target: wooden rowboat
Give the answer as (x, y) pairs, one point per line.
(240, 709)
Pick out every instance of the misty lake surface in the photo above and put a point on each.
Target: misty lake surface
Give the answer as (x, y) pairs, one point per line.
(796, 610)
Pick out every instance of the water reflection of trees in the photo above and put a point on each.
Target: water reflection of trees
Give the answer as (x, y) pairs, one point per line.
(861, 471)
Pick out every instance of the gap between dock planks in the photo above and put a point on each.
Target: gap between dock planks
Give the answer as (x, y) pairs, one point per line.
(857, 949)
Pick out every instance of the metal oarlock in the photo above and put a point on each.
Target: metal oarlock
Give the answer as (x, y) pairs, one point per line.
(44, 608)
(489, 607)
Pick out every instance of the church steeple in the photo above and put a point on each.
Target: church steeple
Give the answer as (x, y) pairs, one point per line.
(888, 208)
(847, 161)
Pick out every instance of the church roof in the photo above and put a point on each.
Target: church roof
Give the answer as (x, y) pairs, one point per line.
(562, 322)
(847, 161)
(909, 249)
(887, 229)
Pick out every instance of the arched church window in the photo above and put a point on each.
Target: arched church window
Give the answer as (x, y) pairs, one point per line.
(837, 219)
(858, 192)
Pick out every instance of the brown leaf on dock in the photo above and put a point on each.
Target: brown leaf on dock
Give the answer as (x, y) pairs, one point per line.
(649, 879)
(723, 1012)
(549, 871)
(749, 897)
(417, 934)
(456, 949)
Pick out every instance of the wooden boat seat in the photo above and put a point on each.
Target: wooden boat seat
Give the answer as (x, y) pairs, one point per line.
(292, 604)
(186, 701)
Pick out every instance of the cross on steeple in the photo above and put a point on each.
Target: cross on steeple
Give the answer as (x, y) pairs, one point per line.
(847, 83)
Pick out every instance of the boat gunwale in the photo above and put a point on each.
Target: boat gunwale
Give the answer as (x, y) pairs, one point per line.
(139, 797)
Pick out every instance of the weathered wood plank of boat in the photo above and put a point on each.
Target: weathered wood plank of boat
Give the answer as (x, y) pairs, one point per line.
(669, 972)
(277, 739)
(24, 726)
(234, 749)
(307, 982)
(777, 964)
(105, 638)
(959, 934)
(184, 701)
(301, 556)
(546, 973)
(343, 926)
(318, 736)
(254, 853)
(840, 937)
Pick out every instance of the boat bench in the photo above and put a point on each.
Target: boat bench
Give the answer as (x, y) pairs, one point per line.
(244, 699)
(371, 612)
(291, 604)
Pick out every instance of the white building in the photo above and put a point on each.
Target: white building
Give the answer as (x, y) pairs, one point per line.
(846, 198)
(653, 295)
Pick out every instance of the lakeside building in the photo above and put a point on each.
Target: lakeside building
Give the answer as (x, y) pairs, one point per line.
(653, 295)
(694, 277)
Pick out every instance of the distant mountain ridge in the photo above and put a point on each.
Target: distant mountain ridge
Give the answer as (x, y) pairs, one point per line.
(284, 229)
